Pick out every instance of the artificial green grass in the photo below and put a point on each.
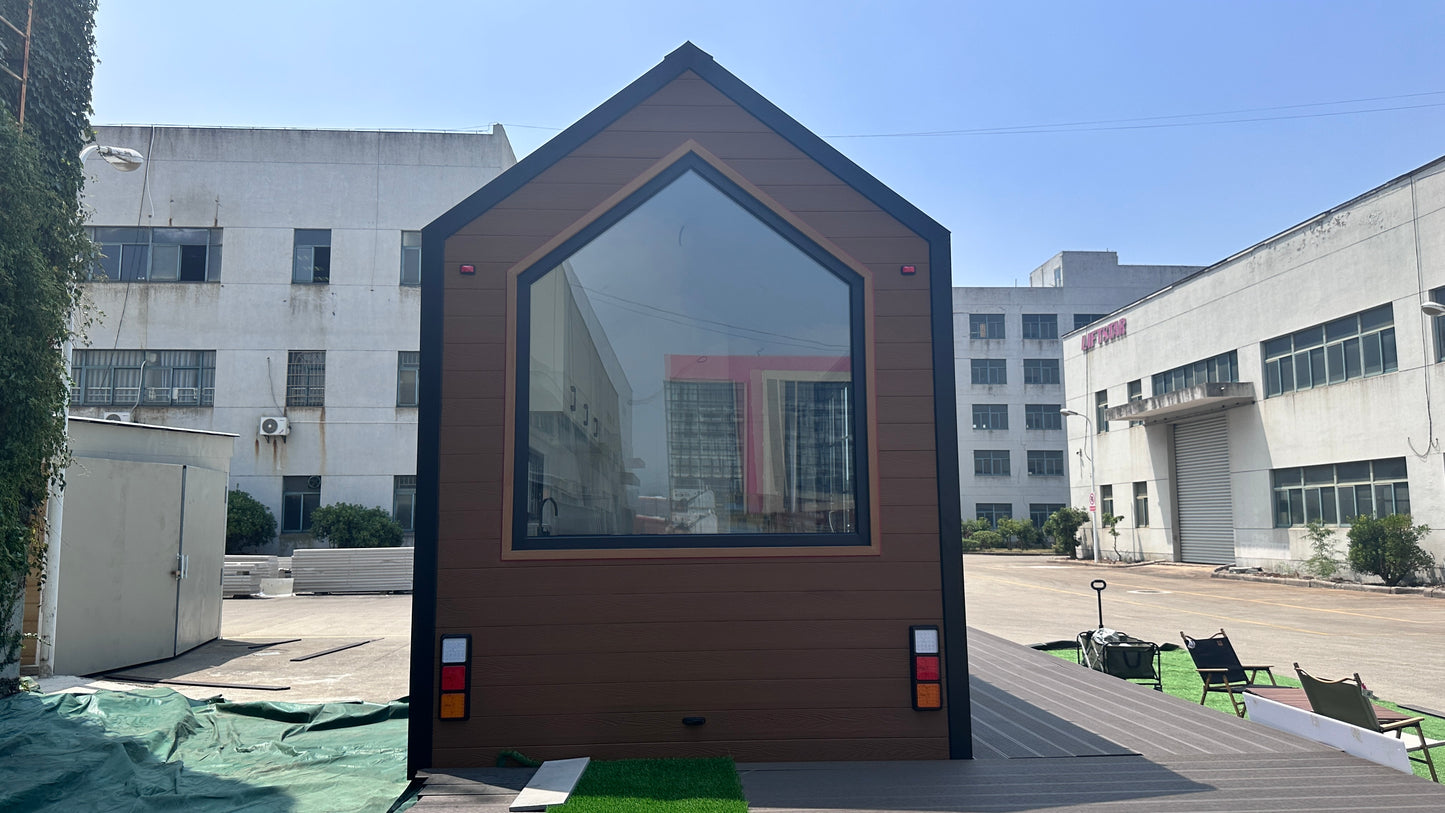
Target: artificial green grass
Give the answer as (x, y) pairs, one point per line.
(1182, 680)
(658, 786)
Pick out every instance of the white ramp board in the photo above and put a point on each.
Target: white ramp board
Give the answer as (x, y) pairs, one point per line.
(1381, 748)
(551, 785)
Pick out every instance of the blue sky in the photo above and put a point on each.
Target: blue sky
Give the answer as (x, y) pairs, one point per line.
(1326, 99)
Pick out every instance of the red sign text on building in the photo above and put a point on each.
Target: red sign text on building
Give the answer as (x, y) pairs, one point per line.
(1104, 335)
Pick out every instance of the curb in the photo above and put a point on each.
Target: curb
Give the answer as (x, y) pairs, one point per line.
(1427, 592)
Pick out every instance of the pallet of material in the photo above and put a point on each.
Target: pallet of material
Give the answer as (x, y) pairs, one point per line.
(351, 570)
(242, 575)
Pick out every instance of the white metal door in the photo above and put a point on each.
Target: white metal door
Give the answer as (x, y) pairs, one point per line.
(202, 555)
(1201, 479)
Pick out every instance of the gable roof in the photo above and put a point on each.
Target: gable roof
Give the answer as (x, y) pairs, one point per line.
(687, 57)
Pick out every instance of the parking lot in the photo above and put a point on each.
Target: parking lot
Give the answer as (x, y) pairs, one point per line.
(1393, 641)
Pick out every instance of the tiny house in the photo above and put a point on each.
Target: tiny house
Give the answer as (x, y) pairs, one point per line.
(687, 461)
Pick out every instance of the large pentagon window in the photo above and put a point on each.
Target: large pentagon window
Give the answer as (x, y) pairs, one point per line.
(690, 377)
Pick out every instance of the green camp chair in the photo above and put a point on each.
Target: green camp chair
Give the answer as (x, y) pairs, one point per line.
(1221, 670)
(1345, 700)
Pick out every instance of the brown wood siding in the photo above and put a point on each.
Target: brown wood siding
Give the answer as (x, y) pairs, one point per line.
(796, 658)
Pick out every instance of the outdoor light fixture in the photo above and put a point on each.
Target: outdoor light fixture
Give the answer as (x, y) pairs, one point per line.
(456, 678)
(1432, 308)
(926, 666)
(1093, 483)
(122, 158)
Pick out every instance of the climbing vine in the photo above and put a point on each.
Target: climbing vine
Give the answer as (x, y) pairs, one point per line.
(44, 253)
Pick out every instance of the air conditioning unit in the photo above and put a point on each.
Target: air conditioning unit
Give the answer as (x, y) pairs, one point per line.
(275, 427)
(121, 417)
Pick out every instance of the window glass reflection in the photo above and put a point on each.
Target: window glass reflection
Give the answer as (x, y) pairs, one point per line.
(690, 372)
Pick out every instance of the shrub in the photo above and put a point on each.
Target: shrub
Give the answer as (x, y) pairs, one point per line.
(249, 524)
(1388, 547)
(1019, 533)
(987, 539)
(1322, 564)
(1063, 527)
(347, 525)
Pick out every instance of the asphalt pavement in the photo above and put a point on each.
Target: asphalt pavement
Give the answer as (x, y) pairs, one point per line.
(1393, 641)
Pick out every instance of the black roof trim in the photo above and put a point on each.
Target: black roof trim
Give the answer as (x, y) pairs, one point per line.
(687, 57)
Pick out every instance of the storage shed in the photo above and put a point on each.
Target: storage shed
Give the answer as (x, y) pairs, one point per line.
(687, 475)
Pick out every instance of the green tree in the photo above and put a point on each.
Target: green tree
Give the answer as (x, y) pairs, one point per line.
(1322, 563)
(249, 523)
(347, 525)
(1063, 527)
(1111, 524)
(1388, 547)
(1019, 533)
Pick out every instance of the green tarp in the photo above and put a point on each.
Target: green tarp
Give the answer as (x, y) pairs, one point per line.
(154, 749)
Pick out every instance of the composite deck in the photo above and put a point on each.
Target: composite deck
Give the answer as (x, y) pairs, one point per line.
(1051, 736)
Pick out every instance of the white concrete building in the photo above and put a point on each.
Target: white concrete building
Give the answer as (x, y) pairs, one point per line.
(1289, 382)
(266, 283)
(1009, 357)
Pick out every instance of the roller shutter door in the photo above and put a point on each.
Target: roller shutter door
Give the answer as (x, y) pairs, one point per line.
(1201, 478)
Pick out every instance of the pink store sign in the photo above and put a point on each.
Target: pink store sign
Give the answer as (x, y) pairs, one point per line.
(1104, 335)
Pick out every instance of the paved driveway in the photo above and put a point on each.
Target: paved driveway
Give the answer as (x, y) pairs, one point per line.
(1395, 642)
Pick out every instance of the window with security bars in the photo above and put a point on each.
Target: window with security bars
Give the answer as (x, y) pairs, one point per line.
(1041, 371)
(985, 326)
(1040, 512)
(136, 378)
(993, 511)
(403, 501)
(408, 372)
(990, 463)
(990, 416)
(1043, 416)
(1042, 326)
(1337, 493)
(1357, 346)
(1046, 463)
(306, 378)
(988, 371)
(1221, 368)
(144, 254)
(704, 440)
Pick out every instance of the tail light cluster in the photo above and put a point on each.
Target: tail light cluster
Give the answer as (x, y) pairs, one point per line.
(456, 678)
(923, 648)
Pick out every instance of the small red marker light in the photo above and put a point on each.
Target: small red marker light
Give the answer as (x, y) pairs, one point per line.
(925, 667)
(454, 678)
(908, 270)
(468, 269)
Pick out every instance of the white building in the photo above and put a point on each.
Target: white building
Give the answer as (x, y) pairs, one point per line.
(1009, 359)
(1289, 382)
(266, 283)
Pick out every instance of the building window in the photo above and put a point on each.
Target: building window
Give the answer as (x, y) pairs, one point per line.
(985, 326)
(1221, 368)
(993, 512)
(1040, 512)
(1101, 405)
(1141, 505)
(671, 405)
(1136, 393)
(299, 498)
(311, 257)
(411, 258)
(1336, 494)
(1043, 416)
(408, 370)
(136, 378)
(1041, 326)
(1041, 371)
(1046, 463)
(1082, 319)
(1106, 500)
(988, 371)
(142, 254)
(990, 463)
(403, 501)
(1356, 346)
(306, 378)
(990, 416)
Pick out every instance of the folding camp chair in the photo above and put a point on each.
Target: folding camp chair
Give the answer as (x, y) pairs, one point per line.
(1221, 670)
(1345, 700)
